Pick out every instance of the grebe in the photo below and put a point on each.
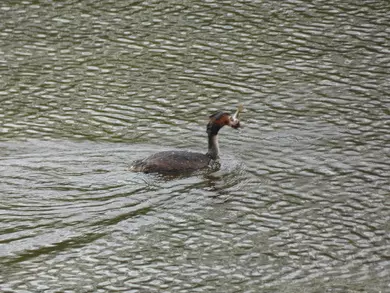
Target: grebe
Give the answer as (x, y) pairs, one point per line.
(183, 161)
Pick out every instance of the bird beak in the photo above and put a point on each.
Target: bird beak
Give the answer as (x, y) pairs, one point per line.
(236, 115)
(235, 122)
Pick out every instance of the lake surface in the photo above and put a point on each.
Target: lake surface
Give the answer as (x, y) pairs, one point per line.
(301, 200)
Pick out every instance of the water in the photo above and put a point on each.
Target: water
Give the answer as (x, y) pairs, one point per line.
(300, 203)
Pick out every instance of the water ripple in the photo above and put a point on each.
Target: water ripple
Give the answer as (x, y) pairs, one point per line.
(300, 201)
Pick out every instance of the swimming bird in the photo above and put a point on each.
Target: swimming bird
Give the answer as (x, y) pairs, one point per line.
(184, 161)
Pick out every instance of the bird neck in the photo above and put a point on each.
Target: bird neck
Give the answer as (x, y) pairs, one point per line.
(213, 151)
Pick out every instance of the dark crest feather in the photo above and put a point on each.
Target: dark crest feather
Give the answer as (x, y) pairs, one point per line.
(218, 115)
(212, 127)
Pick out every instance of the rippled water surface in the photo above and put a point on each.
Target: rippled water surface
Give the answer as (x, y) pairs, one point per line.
(301, 201)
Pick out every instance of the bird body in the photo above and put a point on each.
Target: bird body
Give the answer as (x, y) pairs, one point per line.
(184, 161)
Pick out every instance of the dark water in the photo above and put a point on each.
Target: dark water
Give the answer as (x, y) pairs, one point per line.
(301, 202)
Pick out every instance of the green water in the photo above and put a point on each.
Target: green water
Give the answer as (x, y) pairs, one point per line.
(300, 203)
